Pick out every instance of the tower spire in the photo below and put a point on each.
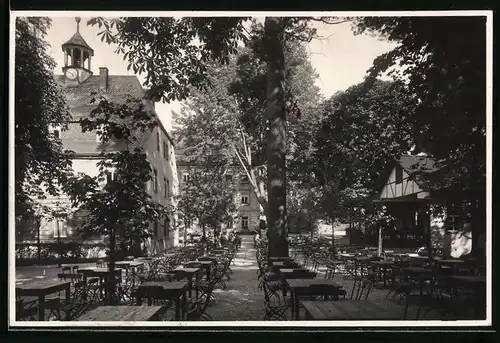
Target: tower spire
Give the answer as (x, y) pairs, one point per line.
(77, 19)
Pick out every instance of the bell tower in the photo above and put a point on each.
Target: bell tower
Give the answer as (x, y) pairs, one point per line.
(77, 58)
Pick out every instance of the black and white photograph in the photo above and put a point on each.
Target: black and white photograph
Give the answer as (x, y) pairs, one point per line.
(281, 169)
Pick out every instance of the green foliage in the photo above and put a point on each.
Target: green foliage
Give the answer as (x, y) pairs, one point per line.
(365, 128)
(171, 51)
(121, 202)
(40, 162)
(444, 66)
(207, 197)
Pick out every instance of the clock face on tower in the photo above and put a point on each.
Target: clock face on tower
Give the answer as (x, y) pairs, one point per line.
(71, 74)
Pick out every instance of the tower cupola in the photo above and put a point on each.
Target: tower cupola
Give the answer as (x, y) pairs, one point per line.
(77, 57)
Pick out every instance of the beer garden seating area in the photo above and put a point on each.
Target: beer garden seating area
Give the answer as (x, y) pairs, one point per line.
(438, 288)
(177, 285)
(311, 283)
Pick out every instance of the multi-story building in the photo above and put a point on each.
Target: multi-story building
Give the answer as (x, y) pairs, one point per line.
(248, 214)
(79, 83)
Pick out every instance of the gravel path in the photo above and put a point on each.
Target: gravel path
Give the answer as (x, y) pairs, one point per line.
(241, 300)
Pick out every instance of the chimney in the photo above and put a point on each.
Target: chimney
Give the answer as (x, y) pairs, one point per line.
(103, 78)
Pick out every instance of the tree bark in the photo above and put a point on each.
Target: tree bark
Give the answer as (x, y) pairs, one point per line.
(39, 252)
(380, 244)
(276, 139)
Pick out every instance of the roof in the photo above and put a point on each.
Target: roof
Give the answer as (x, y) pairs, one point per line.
(417, 164)
(78, 40)
(419, 167)
(120, 88)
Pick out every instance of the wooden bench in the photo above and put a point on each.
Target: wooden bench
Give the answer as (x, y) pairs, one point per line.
(122, 314)
(347, 310)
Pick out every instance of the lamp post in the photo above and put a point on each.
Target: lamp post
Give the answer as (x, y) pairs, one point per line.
(59, 242)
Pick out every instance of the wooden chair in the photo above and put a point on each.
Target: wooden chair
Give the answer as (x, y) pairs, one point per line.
(197, 310)
(26, 310)
(275, 306)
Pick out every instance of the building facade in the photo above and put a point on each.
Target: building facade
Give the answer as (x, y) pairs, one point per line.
(80, 84)
(248, 214)
(412, 203)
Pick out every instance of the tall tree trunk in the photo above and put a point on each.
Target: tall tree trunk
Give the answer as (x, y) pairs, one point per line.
(276, 139)
(38, 245)
(380, 242)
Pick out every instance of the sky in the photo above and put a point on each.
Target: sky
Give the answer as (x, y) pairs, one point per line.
(340, 58)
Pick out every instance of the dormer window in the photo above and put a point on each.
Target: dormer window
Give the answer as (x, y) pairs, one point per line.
(55, 131)
(110, 173)
(100, 133)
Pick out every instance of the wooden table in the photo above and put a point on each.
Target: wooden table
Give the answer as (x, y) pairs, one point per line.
(471, 280)
(173, 291)
(128, 264)
(208, 258)
(289, 264)
(122, 314)
(188, 273)
(40, 289)
(347, 310)
(280, 258)
(102, 273)
(452, 263)
(207, 265)
(300, 286)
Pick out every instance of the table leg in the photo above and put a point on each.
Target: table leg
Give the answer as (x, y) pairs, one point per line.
(292, 307)
(41, 307)
(296, 304)
(177, 308)
(190, 285)
(68, 290)
(197, 283)
(183, 308)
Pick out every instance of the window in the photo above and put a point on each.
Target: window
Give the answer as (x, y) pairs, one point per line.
(229, 177)
(155, 228)
(165, 187)
(60, 229)
(158, 141)
(155, 181)
(399, 174)
(110, 175)
(168, 188)
(185, 177)
(245, 198)
(166, 228)
(55, 131)
(100, 132)
(244, 222)
(187, 223)
(165, 150)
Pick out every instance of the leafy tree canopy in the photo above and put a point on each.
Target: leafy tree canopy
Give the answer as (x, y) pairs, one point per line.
(40, 163)
(442, 60)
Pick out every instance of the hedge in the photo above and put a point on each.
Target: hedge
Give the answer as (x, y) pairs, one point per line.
(65, 252)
